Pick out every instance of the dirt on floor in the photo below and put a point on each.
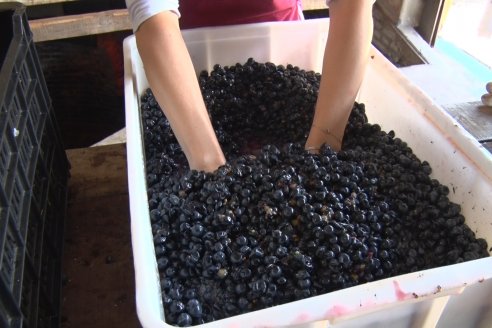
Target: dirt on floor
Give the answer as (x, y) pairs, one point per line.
(98, 286)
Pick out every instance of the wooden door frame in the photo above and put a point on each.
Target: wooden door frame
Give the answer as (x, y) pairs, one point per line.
(430, 20)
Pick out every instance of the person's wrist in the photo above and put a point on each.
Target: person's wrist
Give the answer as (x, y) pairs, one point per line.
(208, 161)
(328, 135)
(318, 137)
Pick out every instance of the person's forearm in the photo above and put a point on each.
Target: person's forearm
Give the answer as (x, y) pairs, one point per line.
(345, 59)
(173, 81)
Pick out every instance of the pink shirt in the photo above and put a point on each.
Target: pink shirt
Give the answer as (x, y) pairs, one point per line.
(195, 13)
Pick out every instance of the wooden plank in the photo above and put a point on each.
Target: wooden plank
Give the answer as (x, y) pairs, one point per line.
(41, 2)
(313, 5)
(63, 27)
(391, 8)
(99, 288)
(488, 145)
(306, 4)
(474, 117)
(99, 285)
(429, 21)
(97, 171)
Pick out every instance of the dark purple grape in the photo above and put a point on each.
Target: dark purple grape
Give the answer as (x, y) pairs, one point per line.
(276, 223)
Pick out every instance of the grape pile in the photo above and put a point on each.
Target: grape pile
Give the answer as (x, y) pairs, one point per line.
(278, 224)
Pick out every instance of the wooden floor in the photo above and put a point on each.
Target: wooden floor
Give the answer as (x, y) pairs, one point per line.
(98, 288)
(476, 119)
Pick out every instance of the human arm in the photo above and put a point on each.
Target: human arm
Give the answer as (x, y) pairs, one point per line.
(344, 62)
(173, 81)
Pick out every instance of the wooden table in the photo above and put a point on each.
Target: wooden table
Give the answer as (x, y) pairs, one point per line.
(476, 119)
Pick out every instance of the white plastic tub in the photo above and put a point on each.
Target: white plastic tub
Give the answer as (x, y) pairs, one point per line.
(451, 296)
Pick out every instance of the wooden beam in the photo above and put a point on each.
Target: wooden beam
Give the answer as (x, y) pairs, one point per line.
(306, 4)
(392, 9)
(41, 2)
(70, 26)
(475, 118)
(97, 172)
(429, 21)
(63, 27)
(313, 5)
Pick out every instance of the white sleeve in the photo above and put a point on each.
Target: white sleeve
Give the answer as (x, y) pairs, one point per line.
(141, 10)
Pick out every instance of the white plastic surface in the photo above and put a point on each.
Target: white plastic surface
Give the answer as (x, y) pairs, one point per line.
(412, 300)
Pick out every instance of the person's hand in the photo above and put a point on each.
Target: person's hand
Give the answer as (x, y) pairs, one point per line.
(173, 81)
(487, 98)
(345, 59)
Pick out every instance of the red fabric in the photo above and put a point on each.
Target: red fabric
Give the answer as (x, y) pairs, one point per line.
(200, 13)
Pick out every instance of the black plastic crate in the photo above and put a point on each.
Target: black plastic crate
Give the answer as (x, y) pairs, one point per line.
(47, 148)
(11, 269)
(18, 204)
(28, 151)
(51, 275)
(33, 182)
(34, 239)
(8, 158)
(30, 297)
(40, 187)
(48, 316)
